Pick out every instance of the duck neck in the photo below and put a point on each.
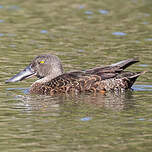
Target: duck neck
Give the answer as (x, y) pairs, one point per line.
(49, 77)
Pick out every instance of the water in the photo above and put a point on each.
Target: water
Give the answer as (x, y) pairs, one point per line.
(83, 34)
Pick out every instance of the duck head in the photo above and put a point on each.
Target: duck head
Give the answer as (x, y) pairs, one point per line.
(43, 67)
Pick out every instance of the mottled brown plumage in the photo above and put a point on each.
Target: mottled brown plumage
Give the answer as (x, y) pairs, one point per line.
(52, 80)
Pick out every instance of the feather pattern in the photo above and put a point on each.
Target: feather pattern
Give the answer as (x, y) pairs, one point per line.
(84, 82)
(52, 80)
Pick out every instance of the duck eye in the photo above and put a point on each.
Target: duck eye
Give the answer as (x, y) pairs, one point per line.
(42, 62)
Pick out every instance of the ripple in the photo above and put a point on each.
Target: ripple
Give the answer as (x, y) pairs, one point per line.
(24, 90)
(137, 41)
(149, 39)
(86, 119)
(10, 89)
(146, 14)
(88, 12)
(135, 1)
(145, 23)
(10, 34)
(81, 51)
(1, 21)
(13, 7)
(12, 45)
(43, 31)
(103, 11)
(143, 65)
(142, 87)
(81, 7)
(89, 17)
(141, 119)
(1, 34)
(119, 33)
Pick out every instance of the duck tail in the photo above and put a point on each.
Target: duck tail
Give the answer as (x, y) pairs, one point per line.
(125, 63)
(133, 78)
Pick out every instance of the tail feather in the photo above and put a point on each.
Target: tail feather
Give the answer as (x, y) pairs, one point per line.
(137, 74)
(133, 78)
(125, 63)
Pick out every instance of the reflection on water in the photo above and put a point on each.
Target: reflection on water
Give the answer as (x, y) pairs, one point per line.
(142, 87)
(119, 33)
(113, 101)
(103, 11)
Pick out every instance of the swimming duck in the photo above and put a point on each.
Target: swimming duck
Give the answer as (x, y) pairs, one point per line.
(52, 80)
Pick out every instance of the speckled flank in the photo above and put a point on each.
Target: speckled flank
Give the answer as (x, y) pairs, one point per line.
(93, 83)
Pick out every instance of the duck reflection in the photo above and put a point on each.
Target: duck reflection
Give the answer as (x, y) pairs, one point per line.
(114, 101)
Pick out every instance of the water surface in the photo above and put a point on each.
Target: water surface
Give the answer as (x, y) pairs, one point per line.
(83, 34)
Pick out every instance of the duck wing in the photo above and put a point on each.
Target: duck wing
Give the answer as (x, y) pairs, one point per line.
(113, 68)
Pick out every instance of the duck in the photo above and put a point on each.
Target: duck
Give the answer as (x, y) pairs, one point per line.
(53, 80)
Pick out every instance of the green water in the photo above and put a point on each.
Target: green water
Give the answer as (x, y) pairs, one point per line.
(83, 34)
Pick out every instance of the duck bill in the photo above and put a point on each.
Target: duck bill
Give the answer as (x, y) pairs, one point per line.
(26, 73)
